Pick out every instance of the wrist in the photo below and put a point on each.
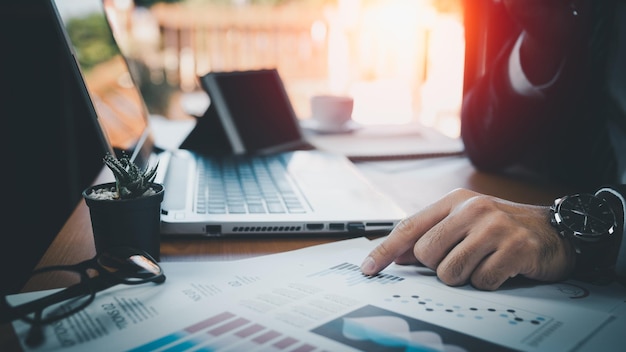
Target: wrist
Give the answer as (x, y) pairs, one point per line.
(589, 224)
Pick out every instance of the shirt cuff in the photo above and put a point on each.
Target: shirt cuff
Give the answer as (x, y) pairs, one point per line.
(519, 82)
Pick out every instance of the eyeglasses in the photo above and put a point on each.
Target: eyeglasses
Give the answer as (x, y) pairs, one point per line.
(121, 265)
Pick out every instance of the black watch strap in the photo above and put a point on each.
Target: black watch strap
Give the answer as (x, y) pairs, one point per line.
(597, 264)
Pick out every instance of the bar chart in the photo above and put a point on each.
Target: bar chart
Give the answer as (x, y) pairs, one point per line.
(226, 332)
(353, 275)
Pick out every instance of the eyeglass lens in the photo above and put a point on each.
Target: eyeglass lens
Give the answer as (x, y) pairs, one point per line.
(131, 266)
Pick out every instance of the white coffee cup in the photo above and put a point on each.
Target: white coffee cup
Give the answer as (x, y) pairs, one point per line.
(331, 111)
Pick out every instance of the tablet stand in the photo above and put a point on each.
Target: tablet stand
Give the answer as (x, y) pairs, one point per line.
(208, 136)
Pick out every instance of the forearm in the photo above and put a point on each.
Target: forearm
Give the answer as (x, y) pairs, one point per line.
(498, 120)
(507, 120)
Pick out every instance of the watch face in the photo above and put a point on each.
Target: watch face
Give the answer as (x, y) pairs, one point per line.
(587, 217)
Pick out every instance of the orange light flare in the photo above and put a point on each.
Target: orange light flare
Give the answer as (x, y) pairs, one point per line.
(401, 60)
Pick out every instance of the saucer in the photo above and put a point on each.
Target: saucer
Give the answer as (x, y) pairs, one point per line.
(316, 126)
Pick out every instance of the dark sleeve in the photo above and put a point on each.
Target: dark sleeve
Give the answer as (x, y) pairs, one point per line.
(616, 195)
(491, 112)
(551, 135)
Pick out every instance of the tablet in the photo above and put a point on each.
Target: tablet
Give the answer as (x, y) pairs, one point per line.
(255, 111)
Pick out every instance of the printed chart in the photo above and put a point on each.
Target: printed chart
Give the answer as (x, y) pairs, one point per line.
(425, 313)
(468, 309)
(226, 332)
(375, 329)
(353, 275)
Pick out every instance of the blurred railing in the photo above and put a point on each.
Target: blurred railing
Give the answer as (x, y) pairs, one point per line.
(220, 38)
(401, 60)
(179, 42)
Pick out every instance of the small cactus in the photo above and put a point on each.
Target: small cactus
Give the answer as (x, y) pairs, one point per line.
(130, 180)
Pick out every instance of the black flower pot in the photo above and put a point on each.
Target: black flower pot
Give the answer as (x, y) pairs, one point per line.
(126, 222)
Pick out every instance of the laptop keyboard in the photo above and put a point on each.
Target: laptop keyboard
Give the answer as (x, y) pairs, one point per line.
(239, 186)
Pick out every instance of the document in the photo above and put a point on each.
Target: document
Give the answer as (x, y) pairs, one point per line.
(389, 142)
(316, 299)
(189, 284)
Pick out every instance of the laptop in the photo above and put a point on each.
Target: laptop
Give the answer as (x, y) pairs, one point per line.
(307, 191)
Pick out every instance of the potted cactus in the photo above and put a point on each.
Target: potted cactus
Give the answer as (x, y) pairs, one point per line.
(126, 212)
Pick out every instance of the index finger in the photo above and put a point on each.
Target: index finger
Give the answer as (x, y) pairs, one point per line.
(404, 236)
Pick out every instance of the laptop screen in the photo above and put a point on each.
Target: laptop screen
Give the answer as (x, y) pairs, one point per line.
(105, 75)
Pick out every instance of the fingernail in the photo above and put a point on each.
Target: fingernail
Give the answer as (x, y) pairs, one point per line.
(368, 266)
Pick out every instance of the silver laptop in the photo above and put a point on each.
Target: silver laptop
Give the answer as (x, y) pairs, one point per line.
(259, 188)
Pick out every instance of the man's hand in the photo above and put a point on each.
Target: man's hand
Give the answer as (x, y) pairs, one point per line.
(470, 237)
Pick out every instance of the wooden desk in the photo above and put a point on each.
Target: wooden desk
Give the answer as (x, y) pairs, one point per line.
(414, 184)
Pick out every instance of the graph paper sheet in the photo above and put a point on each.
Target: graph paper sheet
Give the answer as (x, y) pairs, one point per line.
(316, 299)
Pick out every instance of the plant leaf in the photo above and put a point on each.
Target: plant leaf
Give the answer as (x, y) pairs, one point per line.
(130, 180)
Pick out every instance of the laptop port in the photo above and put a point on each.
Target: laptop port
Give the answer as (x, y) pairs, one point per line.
(336, 226)
(380, 224)
(356, 227)
(315, 226)
(213, 230)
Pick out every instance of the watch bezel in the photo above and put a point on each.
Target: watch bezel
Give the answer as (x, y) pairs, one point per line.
(566, 228)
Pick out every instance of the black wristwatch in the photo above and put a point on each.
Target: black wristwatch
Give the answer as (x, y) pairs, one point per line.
(590, 224)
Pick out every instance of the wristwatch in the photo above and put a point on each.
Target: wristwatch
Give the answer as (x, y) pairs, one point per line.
(584, 219)
(590, 224)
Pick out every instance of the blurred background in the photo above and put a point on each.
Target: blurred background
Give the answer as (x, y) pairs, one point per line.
(401, 60)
